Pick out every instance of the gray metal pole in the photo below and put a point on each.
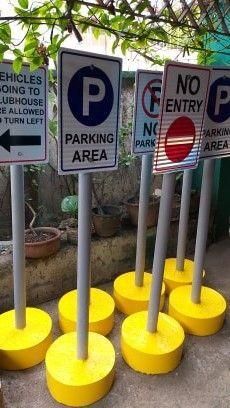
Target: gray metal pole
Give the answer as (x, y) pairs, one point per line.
(184, 218)
(83, 263)
(202, 228)
(163, 227)
(146, 177)
(18, 230)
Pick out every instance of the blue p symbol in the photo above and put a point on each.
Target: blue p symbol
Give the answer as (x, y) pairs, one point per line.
(90, 96)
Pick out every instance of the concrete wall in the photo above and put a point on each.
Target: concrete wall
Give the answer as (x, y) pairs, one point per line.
(51, 277)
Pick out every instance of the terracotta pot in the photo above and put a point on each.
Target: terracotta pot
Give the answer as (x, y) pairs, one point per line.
(152, 215)
(107, 224)
(44, 248)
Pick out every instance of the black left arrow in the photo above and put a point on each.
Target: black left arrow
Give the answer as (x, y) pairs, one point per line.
(7, 140)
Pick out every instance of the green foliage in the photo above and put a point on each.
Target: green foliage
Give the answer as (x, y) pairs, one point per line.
(69, 205)
(125, 157)
(60, 18)
(45, 24)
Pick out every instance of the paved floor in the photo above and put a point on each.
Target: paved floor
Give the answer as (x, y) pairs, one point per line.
(201, 381)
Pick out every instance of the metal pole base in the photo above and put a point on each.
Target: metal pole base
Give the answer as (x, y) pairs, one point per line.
(130, 298)
(101, 318)
(21, 349)
(201, 319)
(152, 353)
(75, 382)
(174, 277)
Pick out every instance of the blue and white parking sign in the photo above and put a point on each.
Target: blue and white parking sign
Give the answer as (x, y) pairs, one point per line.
(216, 131)
(88, 100)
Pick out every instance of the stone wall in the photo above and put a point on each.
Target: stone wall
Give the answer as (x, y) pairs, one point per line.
(51, 277)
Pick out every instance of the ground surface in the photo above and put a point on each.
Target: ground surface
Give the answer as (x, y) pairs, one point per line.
(201, 381)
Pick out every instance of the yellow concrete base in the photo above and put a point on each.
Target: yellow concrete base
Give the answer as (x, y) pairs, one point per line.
(152, 353)
(24, 348)
(174, 278)
(101, 311)
(130, 298)
(76, 382)
(201, 319)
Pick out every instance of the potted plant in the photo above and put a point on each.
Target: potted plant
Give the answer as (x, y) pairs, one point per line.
(41, 242)
(132, 206)
(69, 205)
(106, 218)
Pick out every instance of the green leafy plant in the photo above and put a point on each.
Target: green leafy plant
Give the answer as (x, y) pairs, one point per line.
(126, 158)
(135, 25)
(69, 205)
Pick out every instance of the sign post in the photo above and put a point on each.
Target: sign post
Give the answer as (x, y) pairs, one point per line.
(179, 271)
(132, 289)
(89, 96)
(203, 308)
(178, 143)
(25, 331)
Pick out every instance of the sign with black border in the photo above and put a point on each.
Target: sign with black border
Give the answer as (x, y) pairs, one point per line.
(23, 115)
(88, 111)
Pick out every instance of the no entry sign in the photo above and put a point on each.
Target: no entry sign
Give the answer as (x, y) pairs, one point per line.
(147, 103)
(88, 100)
(216, 132)
(184, 95)
(23, 115)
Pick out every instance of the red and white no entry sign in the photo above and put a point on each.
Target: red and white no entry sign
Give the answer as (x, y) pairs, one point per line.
(180, 139)
(184, 96)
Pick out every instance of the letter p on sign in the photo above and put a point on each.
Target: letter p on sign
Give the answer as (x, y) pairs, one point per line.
(222, 97)
(218, 108)
(90, 96)
(93, 91)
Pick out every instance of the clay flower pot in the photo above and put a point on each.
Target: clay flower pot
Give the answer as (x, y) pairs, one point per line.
(132, 206)
(108, 223)
(45, 241)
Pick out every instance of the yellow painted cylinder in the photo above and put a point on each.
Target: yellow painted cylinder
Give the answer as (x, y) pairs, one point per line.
(24, 348)
(130, 298)
(174, 278)
(202, 319)
(74, 382)
(101, 311)
(152, 353)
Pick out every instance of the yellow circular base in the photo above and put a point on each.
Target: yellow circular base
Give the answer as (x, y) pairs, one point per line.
(76, 382)
(24, 348)
(152, 353)
(174, 278)
(101, 311)
(130, 298)
(201, 319)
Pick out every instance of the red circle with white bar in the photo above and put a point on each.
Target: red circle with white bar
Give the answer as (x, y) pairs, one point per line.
(180, 139)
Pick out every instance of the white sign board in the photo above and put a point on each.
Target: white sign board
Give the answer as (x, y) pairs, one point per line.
(183, 103)
(147, 102)
(88, 104)
(23, 115)
(216, 132)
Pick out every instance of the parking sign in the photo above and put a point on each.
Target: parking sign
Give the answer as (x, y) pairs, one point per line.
(88, 101)
(216, 132)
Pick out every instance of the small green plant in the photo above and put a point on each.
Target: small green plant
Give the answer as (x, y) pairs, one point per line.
(126, 158)
(69, 205)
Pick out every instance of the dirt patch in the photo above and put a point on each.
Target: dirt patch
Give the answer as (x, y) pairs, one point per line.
(38, 236)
